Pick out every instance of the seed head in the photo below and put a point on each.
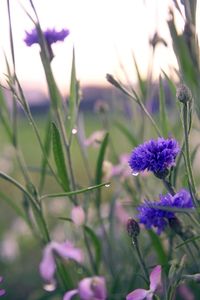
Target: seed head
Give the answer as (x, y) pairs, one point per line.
(183, 94)
(133, 228)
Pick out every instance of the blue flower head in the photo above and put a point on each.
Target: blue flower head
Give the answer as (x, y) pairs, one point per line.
(154, 155)
(151, 214)
(51, 36)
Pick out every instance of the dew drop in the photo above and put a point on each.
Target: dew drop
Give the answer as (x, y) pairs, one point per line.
(69, 117)
(50, 287)
(135, 173)
(74, 131)
(107, 185)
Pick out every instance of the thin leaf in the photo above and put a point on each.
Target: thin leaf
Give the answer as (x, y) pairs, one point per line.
(44, 163)
(126, 132)
(96, 243)
(88, 189)
(163, 115)
(141, 82)
(159, 249)
(59, 158)
(99, 167)
(194, 238)
(99, 172)
(170, 83)
(73, 98)
(4, 115)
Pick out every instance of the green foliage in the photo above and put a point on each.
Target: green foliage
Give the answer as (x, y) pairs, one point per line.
(59, 158)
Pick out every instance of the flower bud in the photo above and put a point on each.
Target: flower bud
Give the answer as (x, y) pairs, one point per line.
(183, 93)
(113, 81)
(133, 228)
(78, 215)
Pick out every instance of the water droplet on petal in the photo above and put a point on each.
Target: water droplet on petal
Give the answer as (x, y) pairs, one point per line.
(135, 173)
(107, 185)
(74, 131)
(50, 287)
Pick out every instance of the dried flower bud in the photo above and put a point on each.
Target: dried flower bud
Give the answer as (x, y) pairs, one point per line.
(183, 94)
(112, 80)
(133, 228)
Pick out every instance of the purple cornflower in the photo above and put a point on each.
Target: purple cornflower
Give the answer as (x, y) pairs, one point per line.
(89, 288)
(155, 282)
(51, 36)
(65, 250)
(154, 155)
(2, 291)
(151, 214)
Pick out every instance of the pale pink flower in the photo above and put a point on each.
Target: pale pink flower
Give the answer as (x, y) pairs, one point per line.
(95, 139)
(155, 282)
(78, 215)
(2, 291)
(122, 169)
(185, 292)
(65, 250)
(93, 288)
(107, 170)
(121, 214)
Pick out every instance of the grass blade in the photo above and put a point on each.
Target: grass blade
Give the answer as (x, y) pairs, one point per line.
(59, 158)
(99, 167)
(129, 135)
(163, 115)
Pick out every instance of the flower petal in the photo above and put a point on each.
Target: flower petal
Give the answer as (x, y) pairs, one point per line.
(84, 288)
(2, 292)
(138, 294)
(92, 288)
(47, 266)
(155, 278)
(67, 250)
(70, 294)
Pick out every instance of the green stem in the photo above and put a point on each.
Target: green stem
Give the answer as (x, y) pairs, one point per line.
(169, 187)
(67, 194)
(67, 148)
(135, 98)
(141, 260)
(91, 258)
(187, 151)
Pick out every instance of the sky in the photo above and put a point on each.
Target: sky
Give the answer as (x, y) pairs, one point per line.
(105, 34)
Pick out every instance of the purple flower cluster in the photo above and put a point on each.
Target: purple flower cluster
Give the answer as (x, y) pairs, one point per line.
(51, 36)
(151, 214)
(155, 155)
